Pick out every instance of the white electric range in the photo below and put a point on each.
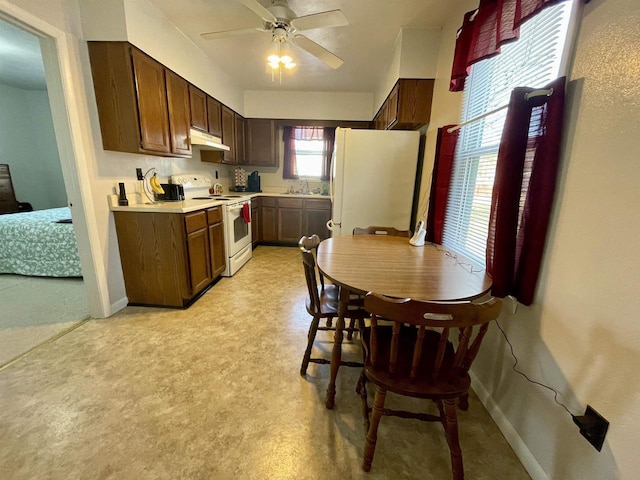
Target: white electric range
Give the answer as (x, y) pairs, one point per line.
(236, 215)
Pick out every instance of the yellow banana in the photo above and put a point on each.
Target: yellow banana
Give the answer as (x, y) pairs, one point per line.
(155, 185)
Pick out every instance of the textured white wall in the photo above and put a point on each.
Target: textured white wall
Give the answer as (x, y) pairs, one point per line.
(308, 105)
(420, 51)
(581, 335)
(589, 336)
(415, 55)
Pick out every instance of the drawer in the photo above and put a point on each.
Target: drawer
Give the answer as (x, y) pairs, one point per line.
(195, 221)
(214, 215)
(268, 201)
(255, 202)
(290, 202)
(318, 204)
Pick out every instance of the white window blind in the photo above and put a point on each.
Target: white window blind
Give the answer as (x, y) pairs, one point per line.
(532, 61)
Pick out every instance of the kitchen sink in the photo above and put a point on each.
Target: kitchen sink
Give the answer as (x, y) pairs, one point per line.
(310, 194)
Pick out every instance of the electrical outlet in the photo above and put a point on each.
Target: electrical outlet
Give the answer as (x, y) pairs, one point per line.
(593, 427)
(139, 174)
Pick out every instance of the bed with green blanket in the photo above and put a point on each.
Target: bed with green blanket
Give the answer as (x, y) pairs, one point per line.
(40, 243)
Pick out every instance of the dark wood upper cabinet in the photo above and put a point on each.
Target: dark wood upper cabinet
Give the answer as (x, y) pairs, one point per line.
(391, 107)
(261, 143)
(151, 92)
(198, 103)
(408, 106)
(132, 100)
(214, 115)
(179, 112)
(228, 134)
(240, 138)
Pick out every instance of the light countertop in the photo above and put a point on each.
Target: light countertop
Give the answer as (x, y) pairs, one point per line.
(186, 206)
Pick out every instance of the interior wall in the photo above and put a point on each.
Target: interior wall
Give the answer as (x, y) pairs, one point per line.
(446, 105)
(415, 55)
(29, 147)
(308, 105)
(581, 334)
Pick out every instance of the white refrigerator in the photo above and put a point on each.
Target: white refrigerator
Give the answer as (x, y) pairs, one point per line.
(373, 179)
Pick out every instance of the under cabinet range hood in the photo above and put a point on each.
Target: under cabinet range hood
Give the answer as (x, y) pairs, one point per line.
(206, 141)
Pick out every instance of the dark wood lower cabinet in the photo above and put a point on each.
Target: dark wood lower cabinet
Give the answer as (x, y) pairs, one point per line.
(316, 218)
(268, 219)
(199, 258)
(168, 259)
(290, 219)
(283, 220)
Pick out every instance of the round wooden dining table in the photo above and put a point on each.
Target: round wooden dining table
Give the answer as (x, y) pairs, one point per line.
(390, 266)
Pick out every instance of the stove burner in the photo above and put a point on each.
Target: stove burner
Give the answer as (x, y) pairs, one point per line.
(213, 197)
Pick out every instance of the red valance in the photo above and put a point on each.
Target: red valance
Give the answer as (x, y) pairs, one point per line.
(484, 30)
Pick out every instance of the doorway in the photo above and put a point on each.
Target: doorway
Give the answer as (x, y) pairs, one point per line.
(34, 308)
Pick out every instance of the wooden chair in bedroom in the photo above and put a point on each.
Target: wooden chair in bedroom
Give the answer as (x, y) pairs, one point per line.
(8, 201)
(426, 353)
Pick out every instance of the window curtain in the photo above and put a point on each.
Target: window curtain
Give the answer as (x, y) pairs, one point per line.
(523, 191)
(329, 137)
(484, 30)
(440, 181)
(289, 170)
(290, 134)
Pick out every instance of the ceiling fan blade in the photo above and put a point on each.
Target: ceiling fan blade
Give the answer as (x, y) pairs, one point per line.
(259, 10)
(231, 33)
(332, 18)
(318, 51)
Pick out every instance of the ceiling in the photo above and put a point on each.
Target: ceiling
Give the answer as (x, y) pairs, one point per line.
(20, 59)
(365, 45)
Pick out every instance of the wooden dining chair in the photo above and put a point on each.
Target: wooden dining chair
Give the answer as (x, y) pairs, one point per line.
(382, 231)
(322, 303)
(416, 357)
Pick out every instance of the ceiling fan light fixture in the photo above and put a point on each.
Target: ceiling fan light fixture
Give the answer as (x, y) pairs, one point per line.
(286, 59)
(289, 65)
(284, 26)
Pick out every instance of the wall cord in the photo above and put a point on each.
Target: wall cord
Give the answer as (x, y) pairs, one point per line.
(515, 363)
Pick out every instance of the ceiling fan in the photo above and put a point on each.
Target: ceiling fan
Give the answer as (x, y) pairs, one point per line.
(279, 20)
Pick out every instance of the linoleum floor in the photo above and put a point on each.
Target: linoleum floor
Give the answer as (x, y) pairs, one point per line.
(214, 392)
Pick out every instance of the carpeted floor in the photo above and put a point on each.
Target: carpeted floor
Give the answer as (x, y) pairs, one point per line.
(35, 309)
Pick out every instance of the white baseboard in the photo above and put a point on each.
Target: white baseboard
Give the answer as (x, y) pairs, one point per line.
(510, 434)
(119, 305)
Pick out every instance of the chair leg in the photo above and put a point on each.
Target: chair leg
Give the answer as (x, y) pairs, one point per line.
(450, 423)
(463, 402)
(361, 389)
(372, 433)
(313, 329)
(352, 326)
